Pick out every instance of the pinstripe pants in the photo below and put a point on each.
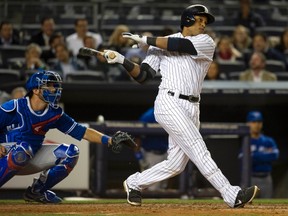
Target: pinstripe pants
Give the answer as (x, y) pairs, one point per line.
(180, 119)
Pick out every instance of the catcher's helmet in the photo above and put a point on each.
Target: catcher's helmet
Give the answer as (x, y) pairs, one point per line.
(187, 17)
(40, 79)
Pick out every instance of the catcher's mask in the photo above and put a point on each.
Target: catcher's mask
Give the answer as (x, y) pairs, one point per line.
(187, 17)
(50, 84)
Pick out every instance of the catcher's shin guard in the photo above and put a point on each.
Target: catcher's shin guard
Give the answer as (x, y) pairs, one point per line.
(67, 157)
(18, 156)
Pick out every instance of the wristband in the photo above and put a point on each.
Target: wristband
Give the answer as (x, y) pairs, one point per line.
(105, 139)
(128, 65)
(151, 41)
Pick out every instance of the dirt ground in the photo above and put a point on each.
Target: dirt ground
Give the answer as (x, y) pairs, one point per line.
(145, 209)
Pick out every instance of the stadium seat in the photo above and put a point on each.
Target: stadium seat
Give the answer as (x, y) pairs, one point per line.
(12, 51)
(275, 65)
(86, 76)
(9, 76)
(228, 67)
(234, 75)
(282, 76)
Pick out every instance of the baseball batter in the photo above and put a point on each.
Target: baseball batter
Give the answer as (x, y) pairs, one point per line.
(183, 59)
(23, 125)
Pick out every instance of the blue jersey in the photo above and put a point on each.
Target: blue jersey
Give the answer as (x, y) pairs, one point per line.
(264, 151)
(19, 123)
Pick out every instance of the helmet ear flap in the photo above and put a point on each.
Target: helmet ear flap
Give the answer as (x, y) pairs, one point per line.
(190, 20)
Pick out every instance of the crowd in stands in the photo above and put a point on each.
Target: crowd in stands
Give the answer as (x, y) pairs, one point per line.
(245, 55)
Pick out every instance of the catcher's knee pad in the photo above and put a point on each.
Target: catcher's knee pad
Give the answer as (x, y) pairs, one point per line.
(18, 157)
(67, 157)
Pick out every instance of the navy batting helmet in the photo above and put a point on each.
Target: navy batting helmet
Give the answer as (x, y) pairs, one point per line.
(187, 17)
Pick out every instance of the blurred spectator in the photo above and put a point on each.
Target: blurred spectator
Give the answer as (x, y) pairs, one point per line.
(247, 17)
(153, 149)
(117, 42)
(75, 40)
(48, 55)
(18, 92)
(31, 63)
(241, 39)
(213, 72)
(225, 51)
(257, 72)
(283, 45)
(167, 30)
(138, 54)
(264, 152)
(4, 96)
(8, 36)
(260, 43)
(66, 63)
(47, 29)
(90, 61)
(212, 34)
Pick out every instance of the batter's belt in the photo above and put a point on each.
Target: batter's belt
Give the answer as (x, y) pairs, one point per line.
(190, 98)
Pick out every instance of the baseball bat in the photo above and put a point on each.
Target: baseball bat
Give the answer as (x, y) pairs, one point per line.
(85, 51)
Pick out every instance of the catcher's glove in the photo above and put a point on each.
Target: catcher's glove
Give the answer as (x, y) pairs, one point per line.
(122, 138)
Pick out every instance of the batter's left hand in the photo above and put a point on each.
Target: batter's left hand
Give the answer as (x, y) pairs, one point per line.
(137, 38)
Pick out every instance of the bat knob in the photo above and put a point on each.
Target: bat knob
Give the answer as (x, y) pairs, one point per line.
(112, 55)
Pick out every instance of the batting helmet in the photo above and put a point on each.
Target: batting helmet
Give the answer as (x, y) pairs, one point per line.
(187, 17)
(40, 79)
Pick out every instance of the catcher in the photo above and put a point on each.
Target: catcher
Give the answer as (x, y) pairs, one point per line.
(23, 125)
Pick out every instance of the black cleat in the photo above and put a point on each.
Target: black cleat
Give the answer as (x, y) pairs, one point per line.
(245, 196)
(45, 197)
(133, 196)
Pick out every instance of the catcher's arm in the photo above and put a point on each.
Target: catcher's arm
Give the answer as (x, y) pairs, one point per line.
(116, 142)
(95, 136)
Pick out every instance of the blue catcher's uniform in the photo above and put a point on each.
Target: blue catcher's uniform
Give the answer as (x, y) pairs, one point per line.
(22, 132)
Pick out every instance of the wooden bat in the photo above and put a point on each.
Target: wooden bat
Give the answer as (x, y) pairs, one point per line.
(85, 51)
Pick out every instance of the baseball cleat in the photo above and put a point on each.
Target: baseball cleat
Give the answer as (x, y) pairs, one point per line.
(245, 196)
(46, 197)
(133, 196)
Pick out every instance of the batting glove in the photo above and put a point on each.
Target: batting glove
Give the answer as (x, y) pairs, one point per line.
(113, 57)
(137, 38)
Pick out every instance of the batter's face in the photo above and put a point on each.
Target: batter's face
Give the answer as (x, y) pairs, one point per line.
(197, 28)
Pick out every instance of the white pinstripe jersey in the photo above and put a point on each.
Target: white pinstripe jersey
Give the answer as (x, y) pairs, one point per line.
(181, 71)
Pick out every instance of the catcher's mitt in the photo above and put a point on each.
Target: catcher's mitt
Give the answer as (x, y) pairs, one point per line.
(122, 138)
